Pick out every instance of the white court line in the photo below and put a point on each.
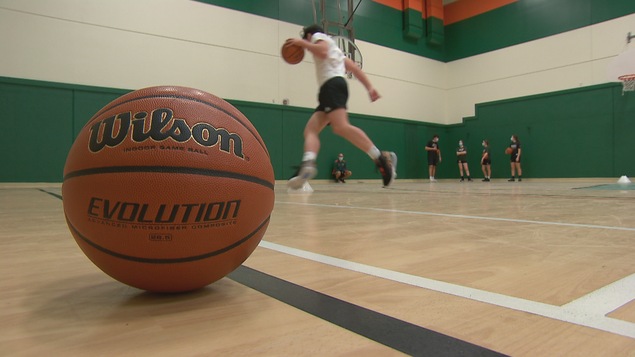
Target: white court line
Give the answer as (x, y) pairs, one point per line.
(573, 315)
(588, 310)
(605, 299)
(577, 225)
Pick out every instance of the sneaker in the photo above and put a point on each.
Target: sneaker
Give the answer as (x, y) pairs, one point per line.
(485, 180)
(520, 179)
(511, 180)
(393, 157)
(387, 165)
(307, 171)
(432, 179)
(469, 179)
(461, 180)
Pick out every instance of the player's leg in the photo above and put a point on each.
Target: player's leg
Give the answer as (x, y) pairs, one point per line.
(467, 171)
(385, 161)
(308, 170)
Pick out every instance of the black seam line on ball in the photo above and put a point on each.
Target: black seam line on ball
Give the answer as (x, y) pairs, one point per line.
(168, 170)
(168, 260)
(255, 134)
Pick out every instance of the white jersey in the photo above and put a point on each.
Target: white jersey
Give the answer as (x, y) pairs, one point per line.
(333, 64)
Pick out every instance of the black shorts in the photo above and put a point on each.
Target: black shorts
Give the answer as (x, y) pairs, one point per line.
(461, 160)
(333, 95)
(486, 162)
(513, 158)
(433, 161)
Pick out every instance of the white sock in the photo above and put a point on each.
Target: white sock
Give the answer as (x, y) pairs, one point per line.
(309, 155)
(374, 153)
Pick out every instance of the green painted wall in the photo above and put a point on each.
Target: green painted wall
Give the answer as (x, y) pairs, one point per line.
(576, 133)
(585, 132)
(42, 119)
(525, 21)
(39, 125)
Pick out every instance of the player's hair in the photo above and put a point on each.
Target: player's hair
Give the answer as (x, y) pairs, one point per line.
(311, 29)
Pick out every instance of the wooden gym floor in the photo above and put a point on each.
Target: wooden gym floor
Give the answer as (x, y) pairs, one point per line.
(537, 268)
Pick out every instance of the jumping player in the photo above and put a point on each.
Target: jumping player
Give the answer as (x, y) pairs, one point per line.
(331, 65)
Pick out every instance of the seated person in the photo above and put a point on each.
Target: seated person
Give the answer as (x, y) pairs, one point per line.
(340, 172)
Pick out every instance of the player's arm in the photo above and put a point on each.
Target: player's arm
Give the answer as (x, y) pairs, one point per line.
(319, 49)
(352, 67)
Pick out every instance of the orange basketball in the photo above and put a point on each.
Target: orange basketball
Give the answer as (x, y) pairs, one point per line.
(508, 151)
(292, 54)
(168, 189)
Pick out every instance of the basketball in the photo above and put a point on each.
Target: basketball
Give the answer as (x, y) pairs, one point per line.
(508, 151)
(292, 54)
(168, 189)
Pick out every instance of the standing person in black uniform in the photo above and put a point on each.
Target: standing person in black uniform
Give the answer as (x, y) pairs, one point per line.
(486, 163)
(515, 158)
(461, 155)
(434, 156)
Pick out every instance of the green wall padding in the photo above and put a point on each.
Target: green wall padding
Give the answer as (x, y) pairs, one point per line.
(435, 31)
(575, 133)
(412, 24)
(583, 132)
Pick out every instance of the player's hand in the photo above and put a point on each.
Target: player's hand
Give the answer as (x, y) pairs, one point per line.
(295, 41)
(374, 95)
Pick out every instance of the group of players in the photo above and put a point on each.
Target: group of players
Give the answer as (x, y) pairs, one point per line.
(514, 150)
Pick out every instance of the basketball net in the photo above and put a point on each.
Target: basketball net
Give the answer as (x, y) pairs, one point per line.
(628, 82)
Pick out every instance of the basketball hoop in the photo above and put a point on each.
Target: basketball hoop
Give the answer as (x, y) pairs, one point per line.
(622, 67)
(628, 82)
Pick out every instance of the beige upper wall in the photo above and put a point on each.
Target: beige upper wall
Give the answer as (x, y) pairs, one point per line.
(139, 43)
(569, 60)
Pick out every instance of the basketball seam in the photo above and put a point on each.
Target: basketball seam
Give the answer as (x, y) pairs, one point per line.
(167, 96)
(168, 170)
(167, 260)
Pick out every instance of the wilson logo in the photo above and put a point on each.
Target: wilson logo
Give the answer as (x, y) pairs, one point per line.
(162, 126)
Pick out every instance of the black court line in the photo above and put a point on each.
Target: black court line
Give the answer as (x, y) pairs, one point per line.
(400, 335)
(50, 193)
(397, 334)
